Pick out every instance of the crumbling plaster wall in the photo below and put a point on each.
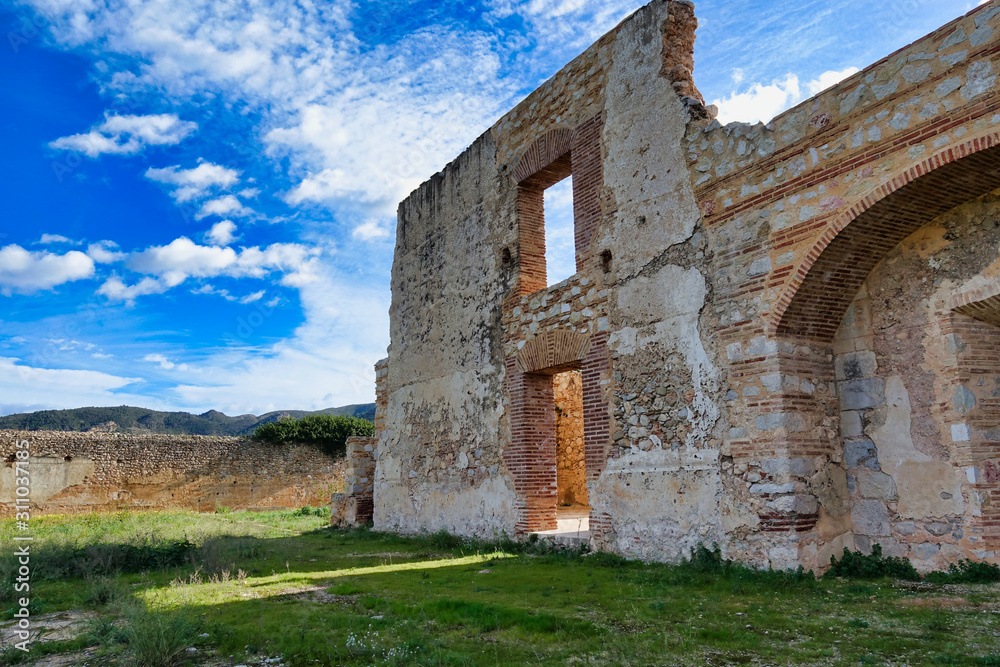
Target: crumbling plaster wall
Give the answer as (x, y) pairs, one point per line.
(439, 456)
(447, 423)
(727, 422)
(771, 197)
(662, 489)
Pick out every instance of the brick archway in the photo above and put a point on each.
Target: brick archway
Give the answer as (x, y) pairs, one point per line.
(823, 286)
(553, 351)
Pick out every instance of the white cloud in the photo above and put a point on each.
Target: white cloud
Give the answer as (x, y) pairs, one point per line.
(249, 193)
(182, 258)
(103, 252)
(762, 102)
(168, 266)
(829, 79)
(28, 272)
(225, 294)
(49, 239)
(369, 231)
(194, 183)
(64, 345)
(226, 205)
(115, 289)
(165, 363)
(305, 369)
(222, 233)
(125, 135)
(253, 298)
(30, 388)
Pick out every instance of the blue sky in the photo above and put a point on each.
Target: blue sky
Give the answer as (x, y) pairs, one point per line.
(199, 197)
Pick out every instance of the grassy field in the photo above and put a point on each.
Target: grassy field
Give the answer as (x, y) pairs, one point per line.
(280, 588)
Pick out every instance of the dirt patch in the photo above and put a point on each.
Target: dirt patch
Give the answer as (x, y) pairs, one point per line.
(942, 602)
(61, 626)
(75, 659)
(317, 594)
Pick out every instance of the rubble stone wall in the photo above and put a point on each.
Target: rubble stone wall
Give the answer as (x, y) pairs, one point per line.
(571, 464)
(84, 472)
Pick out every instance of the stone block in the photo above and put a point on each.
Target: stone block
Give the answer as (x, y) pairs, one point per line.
(855, 365)
(850, 425)
(861, 394)
(796, 467)
(875, 485)
(792, 421)
(799, 504)
(871, 518)
(860, 453)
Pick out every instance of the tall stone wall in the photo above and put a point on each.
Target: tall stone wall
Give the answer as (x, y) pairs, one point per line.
(83, 472)
(786, 334)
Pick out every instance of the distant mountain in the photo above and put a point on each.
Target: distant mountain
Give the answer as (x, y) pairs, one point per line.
(125, 419)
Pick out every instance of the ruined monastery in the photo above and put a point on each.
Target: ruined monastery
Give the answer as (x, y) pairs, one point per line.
(783, 339)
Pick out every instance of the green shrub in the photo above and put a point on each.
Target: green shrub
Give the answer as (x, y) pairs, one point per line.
(157, 639)
(967, 572)
(312, 511)
(856, 565)
(325, 431)
(102, 591)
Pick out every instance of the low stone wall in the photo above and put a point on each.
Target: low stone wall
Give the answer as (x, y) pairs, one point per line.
(84, 472)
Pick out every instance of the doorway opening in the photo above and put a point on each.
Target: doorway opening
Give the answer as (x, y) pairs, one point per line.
(572, 503)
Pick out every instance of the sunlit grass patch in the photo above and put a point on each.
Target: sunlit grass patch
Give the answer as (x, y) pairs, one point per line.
(274, 585)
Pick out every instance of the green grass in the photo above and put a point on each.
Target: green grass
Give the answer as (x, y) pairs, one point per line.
(258, 585)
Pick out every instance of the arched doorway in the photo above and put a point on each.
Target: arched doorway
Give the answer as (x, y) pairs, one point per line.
(901, 295)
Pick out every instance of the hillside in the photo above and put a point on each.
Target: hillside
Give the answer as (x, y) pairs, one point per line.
(141, 420)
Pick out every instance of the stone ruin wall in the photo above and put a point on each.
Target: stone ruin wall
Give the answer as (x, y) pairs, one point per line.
(805, 214)
(356, 505)
(85, 472)
(774, 325)
(476, 332)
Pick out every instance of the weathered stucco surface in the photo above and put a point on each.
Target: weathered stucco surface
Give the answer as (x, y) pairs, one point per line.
(787, 335)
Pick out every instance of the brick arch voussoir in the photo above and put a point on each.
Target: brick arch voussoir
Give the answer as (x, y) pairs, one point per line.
(542, 153)
(553, 351)
(779, 320)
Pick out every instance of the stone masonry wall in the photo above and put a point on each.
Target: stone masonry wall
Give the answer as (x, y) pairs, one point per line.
(787, 335)
(571, 466)
(83, 472)
(355, 506)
